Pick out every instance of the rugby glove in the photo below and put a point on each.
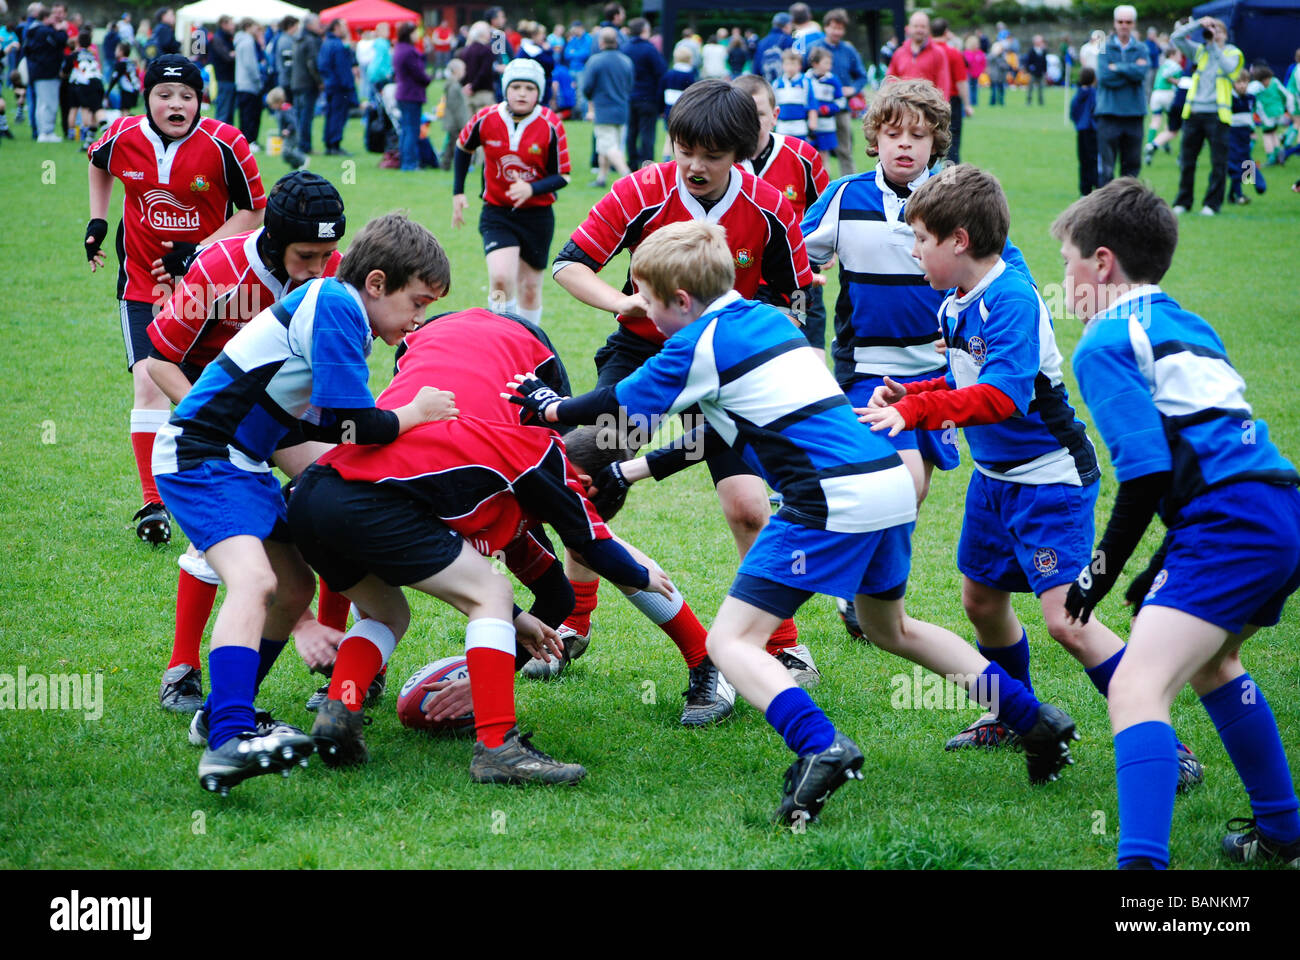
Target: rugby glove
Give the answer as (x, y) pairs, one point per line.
(535, 396)
(178, 260)
(1087, 591)
(611, 490)
(96, 231)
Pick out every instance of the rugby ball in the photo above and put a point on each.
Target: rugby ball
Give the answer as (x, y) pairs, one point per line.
(412, 700)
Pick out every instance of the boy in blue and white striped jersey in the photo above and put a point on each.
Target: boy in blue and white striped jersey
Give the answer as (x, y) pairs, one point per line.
(1184, 442)
(795, 110)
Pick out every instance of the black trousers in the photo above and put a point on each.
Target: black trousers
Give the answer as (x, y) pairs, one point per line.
(954, 151)
(1197, 128)
(250, 115)
(641, 128)
(1086, 142)
(1119, 138)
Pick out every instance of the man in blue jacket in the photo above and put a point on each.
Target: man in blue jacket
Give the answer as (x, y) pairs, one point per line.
(846, 64)
(779, 40)
(1121, 71)
(645, 104)
(336, 69)
(43, 45)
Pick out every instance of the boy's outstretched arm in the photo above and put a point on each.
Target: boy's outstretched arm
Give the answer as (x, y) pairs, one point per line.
(934, 405)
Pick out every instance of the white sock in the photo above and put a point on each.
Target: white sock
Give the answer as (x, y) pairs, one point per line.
(148, 421)
(491, 633)
(375, 633)
(534, 316)
(657, 608)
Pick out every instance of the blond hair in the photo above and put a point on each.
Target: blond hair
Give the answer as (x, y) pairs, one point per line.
(899, 102)
(691, 256)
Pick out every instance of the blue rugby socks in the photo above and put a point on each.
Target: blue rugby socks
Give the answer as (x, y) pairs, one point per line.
(267, 653)
(1013, 659)
(232, 672)
(1246, 726)
(1146, 775)
(800, 722)
(1100, 674)
(1013, 702)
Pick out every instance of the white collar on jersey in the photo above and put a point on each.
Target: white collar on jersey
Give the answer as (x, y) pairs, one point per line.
(893, 203)
(715, 213)
(728, 298)
(778, 143)
(255, 261)
(165, 152)
(1137, 293)
(956, 304)
(515, 128)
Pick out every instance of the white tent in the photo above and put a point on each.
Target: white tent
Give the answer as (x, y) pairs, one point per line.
(210, 11)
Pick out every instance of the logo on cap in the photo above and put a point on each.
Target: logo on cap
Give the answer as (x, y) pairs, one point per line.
(171, 71)
(325, 231)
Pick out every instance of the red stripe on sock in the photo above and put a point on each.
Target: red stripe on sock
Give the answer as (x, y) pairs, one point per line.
(584, 602)
(492, 690)
(355, 667)
(332, 608)
(194, 600)
(142, 447)
(786, 635)
(688, 633)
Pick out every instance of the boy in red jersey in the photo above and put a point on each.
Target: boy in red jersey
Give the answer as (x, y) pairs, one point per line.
(182, 174)
(795, 168)
(367, 519)
(525, 162)
(228, 284)
(712, 127)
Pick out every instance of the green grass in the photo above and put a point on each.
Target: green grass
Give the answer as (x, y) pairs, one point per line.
(82, 596)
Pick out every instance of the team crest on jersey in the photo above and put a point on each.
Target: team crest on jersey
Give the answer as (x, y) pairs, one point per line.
(534, 148)
(1045, 560)
(200, 184)
(165, 212)
(978, 351)
(1161, 579)
(790, 193)
(744, 258)
(512, 169)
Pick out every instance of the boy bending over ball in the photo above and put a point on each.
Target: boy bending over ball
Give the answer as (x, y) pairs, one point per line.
(1172, 410)
(848, 500)
(301, 361)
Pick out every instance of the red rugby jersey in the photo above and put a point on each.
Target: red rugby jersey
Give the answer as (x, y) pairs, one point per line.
(182, 191)
(472, 353)
(795, 168)
(762, 230)
(226, 286)
(528, 149)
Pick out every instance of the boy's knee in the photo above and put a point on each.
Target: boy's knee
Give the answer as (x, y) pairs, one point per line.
(1073, 636)
(980, 605)
(746, 516)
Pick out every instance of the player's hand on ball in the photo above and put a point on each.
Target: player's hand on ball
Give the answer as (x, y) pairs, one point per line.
(96, 231)
(519, 191)
(434, 404)
(890, 392)
(537, 638)
(458, 204)
(883, 418)
(451, 699)
(533, 395)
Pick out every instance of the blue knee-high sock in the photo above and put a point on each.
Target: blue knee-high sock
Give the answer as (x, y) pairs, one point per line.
(233, 674)
(1013, 702)
(1100, 674)
(269, 650)
(1013, 659)
(1146, 774)
(1249, 734)
(800, 722)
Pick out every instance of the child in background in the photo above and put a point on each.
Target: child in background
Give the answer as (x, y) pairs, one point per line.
(86, 90)
(455, 110)
(282, 113)
(564, 97)
(1241, 141)
(826, 99)
(1273, 109)
(675, 80)
(126, 78)
(1162, 100)
(795, 111)
(1081, 107)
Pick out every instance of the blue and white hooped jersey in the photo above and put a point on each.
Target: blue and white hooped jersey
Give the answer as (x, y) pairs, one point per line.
(793, 101)
(1000, 333)
(294, 360)
(763, 389)
(827, 90)
(1164, 395)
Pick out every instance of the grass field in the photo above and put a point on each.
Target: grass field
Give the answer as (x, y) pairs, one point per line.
(81, 595)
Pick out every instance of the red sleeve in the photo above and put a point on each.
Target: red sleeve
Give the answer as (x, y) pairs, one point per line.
(957, 65)
(180, 322)
(925, 386)
(968, 407)
(469, 138)
(785, 259)
(561, 146)
(895, 70)
(243, 180)
(527, 559)
(820, 178)
(102, 149)
(605, 231)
